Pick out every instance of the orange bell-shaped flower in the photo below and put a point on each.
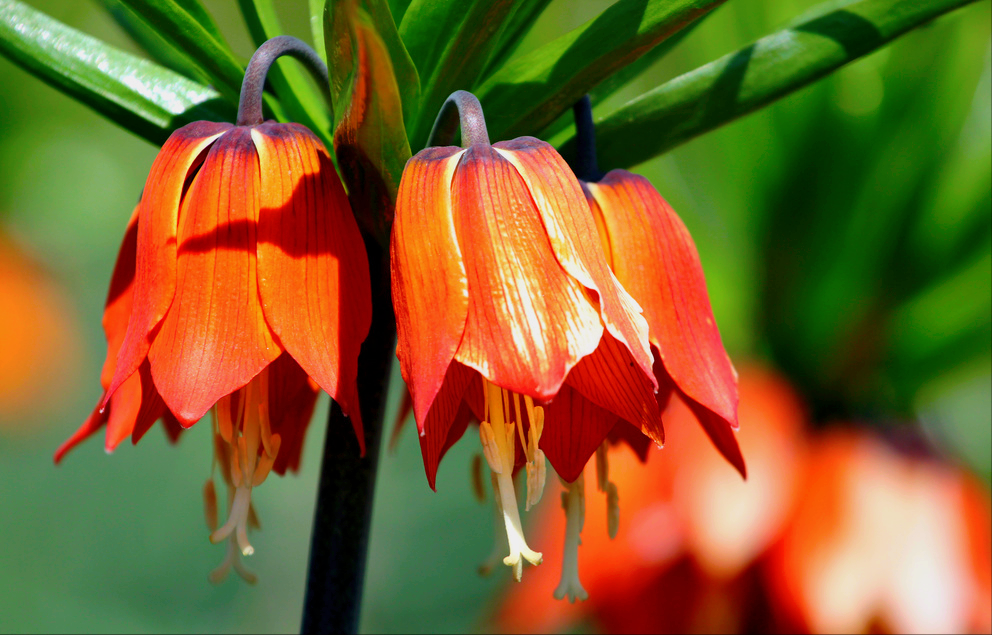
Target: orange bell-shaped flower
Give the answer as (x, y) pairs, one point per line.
(242, 285)
(507, 313)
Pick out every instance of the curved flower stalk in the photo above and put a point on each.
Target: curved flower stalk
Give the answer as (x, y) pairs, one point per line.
(507, 313)
(242, 286)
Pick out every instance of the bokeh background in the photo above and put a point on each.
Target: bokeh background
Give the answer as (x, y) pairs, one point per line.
(845, 233)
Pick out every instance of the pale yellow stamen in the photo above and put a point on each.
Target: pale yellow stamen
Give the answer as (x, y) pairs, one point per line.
(500, 545)
(497, 436)
(573, 501)
(250, 450)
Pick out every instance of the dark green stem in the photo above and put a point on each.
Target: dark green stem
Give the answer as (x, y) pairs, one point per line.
(461, 107)
(250, 107)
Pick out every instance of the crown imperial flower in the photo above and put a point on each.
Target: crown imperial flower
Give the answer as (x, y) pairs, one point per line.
(507, 313)
(242, 285)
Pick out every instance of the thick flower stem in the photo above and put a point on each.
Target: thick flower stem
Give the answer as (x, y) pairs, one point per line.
(250, 106)
(461, 107)
(586, 167)
(343, 516)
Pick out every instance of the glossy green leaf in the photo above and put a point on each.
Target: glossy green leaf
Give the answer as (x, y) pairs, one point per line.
(184, 31)
(404, 70)
(139, 95)
(450, 43)
(525, 13)
(531, 91)
(754, 76)
(317, 27)
(300, 98)
(370, 139)
(198, 12)
(154, 44)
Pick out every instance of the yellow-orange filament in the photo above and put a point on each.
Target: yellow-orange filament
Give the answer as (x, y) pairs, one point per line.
(605, 485)
(497, 434)
(245, 450)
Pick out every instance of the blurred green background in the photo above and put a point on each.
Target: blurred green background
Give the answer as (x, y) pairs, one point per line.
(845, 233)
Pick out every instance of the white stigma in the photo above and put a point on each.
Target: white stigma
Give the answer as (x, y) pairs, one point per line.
(573, 501)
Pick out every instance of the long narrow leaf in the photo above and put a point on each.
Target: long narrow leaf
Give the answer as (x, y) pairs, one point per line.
(141, 96)
(181, 29)
(525, 13)
(531, 91)
(456, 59)
(303, 103)
(753, 77)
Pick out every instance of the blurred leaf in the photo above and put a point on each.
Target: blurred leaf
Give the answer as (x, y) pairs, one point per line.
(369, 137)
(531, 91)
(524, 14)
(449, 44)
(154, 44)
(301, 100)
(141, 96)
(198, 12)
(184, 31)
(317, 27)
(753, 77)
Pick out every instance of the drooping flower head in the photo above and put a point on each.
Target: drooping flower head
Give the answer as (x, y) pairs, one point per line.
(242, 285)
(507, 313)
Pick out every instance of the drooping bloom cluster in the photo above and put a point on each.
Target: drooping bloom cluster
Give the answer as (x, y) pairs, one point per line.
(228, 294)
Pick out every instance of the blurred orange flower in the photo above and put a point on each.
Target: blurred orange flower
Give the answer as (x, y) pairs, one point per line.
(833, 532)
(504, 301)
(39, 337)
(242, 285)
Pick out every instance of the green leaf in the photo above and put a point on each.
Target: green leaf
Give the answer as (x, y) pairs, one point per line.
(370, 140)
(404, 70)
(531, 91)
(141, 96)
(154, 44)
(525, 13)
(198, 12)
(301, 100)
(452, 56)
(317, 27)
(753, 77)
(184, 31)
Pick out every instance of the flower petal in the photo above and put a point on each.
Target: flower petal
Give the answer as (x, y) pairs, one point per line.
(430, 290)
(136, 404)
(155, 263)
(528, 320)
(605, 378)
(214, 338)
(447, 418)
(292, 398)
(120, 297)
(91, 426)
(313, 273)
(572, 230)
(573, 428)
(655, 259)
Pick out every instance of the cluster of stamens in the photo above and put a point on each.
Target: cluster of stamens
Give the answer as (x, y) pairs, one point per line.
(498, 433)
(245, 450)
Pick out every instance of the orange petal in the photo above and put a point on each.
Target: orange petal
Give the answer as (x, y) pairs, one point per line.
(117, 310)
(292, 398)
(136, 404)
(573, 428)
(528, 321)
(214, 338)
(155, 264)
(605, 378)
(655, 259)
(447, 418)
(430, 290)
(570, 226)
(91, 426)
(312, 268)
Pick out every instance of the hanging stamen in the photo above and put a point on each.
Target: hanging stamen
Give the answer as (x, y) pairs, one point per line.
(477, 485)
(246, 450)
(573, 501)
(498, 445)
(500, 545)
(537, 469)
(604, 484)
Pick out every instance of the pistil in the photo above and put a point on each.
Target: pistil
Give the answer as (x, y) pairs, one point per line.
(497, 434)
(573, 501)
